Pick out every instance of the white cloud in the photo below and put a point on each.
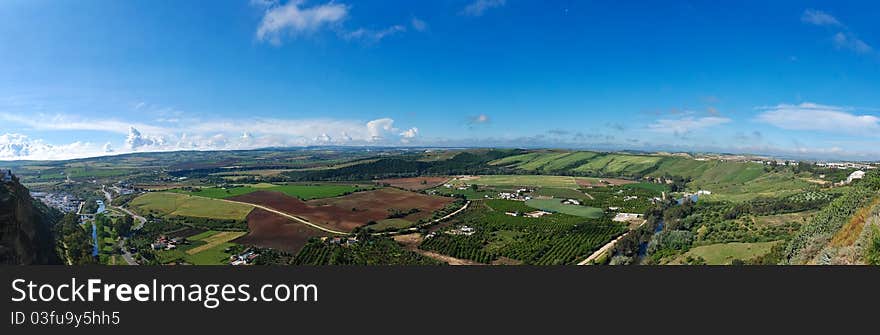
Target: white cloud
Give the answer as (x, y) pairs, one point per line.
(378, 128)
(479, 7)
(418, 24)
(686, 125)
(374, 35)
(294, 19)
(219, 134)
(409, 135)
(851, 42)
(18, 146)
(136, 141)
(64, 122)
(819, 18)
(816, 117)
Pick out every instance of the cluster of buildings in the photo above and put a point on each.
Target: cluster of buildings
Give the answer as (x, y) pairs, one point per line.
(845, 165)
(626, 217)
(463, 230)
(460, 187)
(518, 195)
(63, 202)
(343, 241)
(245, 258)
(164, 243)
(532, 214)
(775, 161)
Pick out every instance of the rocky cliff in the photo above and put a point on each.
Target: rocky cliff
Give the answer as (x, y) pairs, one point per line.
(25, 227)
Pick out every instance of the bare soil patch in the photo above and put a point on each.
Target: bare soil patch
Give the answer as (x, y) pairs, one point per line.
(270, 230)
(351, 211)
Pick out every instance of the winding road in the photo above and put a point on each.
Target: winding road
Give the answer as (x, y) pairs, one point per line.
(126, 255)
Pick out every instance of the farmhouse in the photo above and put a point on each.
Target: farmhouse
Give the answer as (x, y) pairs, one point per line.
(855, 175)
(624, 217)
(571, 202)
(463, 230)
(536, 214)
(512, 213)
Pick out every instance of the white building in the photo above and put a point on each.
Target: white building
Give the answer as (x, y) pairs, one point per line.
(855, 175)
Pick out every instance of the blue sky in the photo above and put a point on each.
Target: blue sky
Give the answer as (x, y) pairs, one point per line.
(789, 78)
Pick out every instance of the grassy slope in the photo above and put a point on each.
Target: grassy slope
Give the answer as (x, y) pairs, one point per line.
(724, 253)
(734, 181)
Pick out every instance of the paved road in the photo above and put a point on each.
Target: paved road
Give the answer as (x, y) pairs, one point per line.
(127, 256)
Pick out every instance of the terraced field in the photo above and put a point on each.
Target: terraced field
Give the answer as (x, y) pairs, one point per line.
(733, 181)
(526, 181)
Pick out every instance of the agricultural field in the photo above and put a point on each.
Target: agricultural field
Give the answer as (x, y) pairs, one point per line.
(725, 253)
(368, 251)
(354, 210)
(556, 206)
(551, 239)
(304, 192)
(175, 204)
(206, 248)
(414, 183)
(270, 230)
(523, 181)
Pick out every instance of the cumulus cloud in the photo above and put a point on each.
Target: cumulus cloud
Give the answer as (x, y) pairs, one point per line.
(819, 18)
(217, 134)
(817, 117)
(378, 128)
(479, 7)
(135, 140)
(409, 134)
(686, 125)
(18, 146)
(293, 18)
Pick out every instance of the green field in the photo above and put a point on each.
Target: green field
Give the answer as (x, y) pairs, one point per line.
(206, 248)
(390, 224)
(727, 180)
(555, 205)
(564, 193)
(167, 203)
(304, 192)
(724, 253)
(526, 180)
